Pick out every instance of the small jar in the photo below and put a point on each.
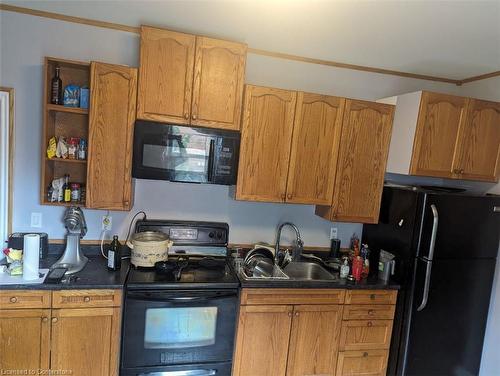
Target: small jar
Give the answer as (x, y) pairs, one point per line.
(76, 193)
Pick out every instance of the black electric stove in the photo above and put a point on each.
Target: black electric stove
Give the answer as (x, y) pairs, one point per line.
(181, 315)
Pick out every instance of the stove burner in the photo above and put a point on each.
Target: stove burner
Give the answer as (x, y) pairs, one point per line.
(173, 267)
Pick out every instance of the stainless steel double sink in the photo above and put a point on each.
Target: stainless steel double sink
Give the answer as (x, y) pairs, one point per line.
(299, 271)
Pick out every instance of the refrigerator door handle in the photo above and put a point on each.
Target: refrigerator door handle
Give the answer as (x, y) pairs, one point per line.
(427, 284)
(435, 223)
(496, 209)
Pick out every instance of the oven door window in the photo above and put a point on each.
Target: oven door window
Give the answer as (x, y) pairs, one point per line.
(177, 328)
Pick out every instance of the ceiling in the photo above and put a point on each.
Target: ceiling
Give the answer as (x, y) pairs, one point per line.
(452, 39)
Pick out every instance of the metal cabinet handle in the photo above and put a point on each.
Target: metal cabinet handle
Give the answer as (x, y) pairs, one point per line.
(45, 319)
(13, 299)
(365, 354)
(194, 116)
(369, 323)
(54, 319)
(428, 259)
(289, 196)
(86, 299)
(370, 312)
(296, 314)
(290, 314)
(283, 196)
(186, 116)
(372, 296)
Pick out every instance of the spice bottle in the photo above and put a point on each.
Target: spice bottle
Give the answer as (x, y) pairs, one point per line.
(114, 255)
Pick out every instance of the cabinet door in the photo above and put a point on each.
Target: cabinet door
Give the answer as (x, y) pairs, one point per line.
(219, 74)
(266, 136)
(315, 143)
(165, 75)
(479, 156)
(24, 339)
(366, 134)
(111, 128)
(314, 340)
(435, 144)
(262, 340)
(86, 341)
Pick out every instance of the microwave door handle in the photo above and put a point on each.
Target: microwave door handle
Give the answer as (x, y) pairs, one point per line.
(211, 156)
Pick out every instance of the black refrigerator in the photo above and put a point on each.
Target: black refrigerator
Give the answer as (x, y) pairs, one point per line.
(446, 246)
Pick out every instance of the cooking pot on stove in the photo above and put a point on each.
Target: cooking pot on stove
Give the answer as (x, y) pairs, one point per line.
(148, 248)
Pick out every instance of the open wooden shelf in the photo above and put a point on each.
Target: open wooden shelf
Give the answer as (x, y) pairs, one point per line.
(72, 110)
(45, 202)
(62, 121)
(62, 160)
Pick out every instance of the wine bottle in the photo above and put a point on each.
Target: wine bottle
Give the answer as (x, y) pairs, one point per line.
(56, 88)
(115, 255)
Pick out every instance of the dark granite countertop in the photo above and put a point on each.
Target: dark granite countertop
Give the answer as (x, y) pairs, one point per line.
(365, 284)
(95, 275)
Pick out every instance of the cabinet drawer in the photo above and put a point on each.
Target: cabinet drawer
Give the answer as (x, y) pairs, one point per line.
(86, 298)
(365, 334)
(24, 299)
(369, 312)
(366, 363)
(292, 296)
(371, 297)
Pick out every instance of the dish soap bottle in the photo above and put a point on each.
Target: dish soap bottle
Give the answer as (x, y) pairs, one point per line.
(344, 269)
(114, 255)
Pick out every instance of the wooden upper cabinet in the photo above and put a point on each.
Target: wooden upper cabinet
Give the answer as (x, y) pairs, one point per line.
(165, 75)
(366, 133)
(86, 341)
(479, 148)
(436, 136)
(219, 75)
(111, 124)
(266, 137)
(24, 339)
(262, 340)
(315, 143)
(314, 340)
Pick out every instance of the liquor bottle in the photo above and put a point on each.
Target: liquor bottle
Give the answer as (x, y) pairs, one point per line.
(66, 189)
(115, 255)
(56, 89)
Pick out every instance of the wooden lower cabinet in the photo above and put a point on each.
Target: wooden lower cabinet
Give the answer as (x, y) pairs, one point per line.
(311, 336)
(84, 341)
(262, 342)
(366, 363)
(24, 339)
(314, 340)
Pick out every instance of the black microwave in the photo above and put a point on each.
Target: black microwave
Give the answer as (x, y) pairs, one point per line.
(185, 154)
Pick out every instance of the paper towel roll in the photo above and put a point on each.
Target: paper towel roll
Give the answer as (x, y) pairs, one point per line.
(31, 256)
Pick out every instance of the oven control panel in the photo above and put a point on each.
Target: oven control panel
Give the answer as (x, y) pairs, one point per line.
(189, 232)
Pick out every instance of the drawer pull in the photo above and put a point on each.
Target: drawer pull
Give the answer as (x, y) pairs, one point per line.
(13, 299)
(296, 313)
(45, 319)
(54, 319)
(372, 296)
(371, 312)
(86, 299)
(369, 323)
(290, 314)
(365, 354)
(186, 116)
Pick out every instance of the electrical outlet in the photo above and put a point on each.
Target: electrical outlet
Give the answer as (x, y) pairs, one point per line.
(333, 233)
(107, 223)
(36, 220)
